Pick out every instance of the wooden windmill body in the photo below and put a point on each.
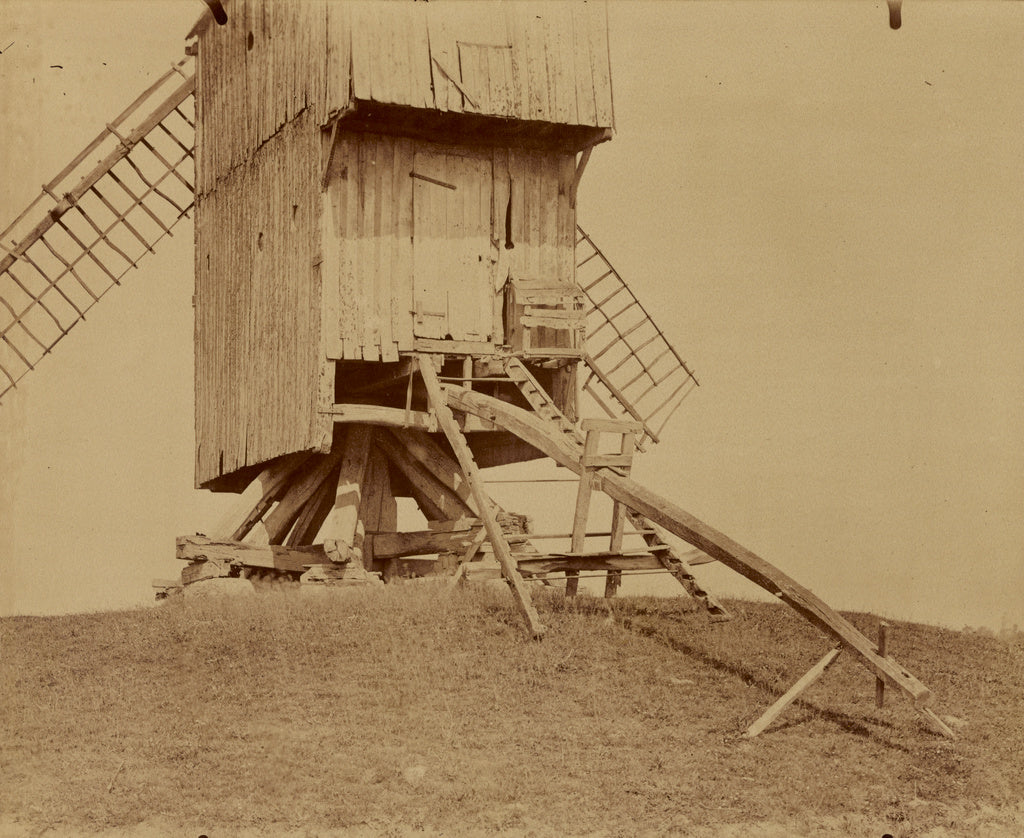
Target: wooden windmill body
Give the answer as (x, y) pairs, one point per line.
(407, 191)
(391, 294)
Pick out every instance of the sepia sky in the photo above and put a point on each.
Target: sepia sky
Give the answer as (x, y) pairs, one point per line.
(823, 214)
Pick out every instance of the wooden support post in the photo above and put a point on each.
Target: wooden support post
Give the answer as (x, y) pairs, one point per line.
(618, 528)
(502, 551)
(793, 693)
(883, 637)
(343, 524)
(378, 510)
(579, 518)
(572, 582)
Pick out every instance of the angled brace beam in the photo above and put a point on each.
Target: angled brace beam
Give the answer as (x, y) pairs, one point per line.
(502, 551)
(793, 693)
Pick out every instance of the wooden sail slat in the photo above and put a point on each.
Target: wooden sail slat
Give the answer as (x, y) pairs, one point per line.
(36, 300)
(102, 236)
(120, 218)
(25, 257)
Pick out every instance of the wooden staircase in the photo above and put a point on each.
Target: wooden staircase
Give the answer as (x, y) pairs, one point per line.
(613, 561)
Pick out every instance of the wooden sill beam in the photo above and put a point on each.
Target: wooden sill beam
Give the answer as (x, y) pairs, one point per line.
(197, 548)
(535, 565)
(390, 545)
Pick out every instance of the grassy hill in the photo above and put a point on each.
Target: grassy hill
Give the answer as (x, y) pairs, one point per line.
(418, 709)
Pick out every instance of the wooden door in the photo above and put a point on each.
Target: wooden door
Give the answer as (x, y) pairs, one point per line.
(452, 294)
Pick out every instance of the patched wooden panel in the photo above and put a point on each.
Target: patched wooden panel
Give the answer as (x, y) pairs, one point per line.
(452, 293)
(539, 61)
(266, 65)
(541, 219)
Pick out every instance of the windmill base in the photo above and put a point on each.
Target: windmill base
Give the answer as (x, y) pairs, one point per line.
(347, 497)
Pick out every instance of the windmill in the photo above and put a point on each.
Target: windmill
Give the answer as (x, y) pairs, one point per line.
(392, 295)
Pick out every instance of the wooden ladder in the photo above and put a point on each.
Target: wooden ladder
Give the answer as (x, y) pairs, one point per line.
(677, 566)
(537, 396)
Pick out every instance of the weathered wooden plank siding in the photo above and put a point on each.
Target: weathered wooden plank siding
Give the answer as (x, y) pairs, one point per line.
(366, 240)
(258, 351)
(543, 219)
(258, 72)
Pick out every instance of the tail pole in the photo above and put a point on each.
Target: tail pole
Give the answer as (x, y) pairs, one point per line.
(682, 524)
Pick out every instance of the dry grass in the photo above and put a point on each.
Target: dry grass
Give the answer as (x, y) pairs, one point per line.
(412, 708)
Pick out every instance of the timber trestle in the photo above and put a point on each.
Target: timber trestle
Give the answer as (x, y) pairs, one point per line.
(306, 516)
(331, 518)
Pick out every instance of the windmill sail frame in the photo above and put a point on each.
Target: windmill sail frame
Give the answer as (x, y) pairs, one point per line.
(93, 222)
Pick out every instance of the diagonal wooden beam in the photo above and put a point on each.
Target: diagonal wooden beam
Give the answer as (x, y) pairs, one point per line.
(793, 693)
(443, 502)
(502, 551)
(301, 489)
(314, 513)
(677, 521)
(436, 460)
(259, 496)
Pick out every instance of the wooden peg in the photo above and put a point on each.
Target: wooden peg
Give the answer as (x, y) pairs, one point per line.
(883, 636)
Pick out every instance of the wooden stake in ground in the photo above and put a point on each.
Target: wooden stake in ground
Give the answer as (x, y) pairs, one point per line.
(793, 693)
(883, 636)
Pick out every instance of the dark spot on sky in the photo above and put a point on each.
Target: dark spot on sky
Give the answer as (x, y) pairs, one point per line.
(56, 66)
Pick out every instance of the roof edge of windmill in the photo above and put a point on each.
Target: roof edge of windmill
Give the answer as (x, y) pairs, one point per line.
(544, 63)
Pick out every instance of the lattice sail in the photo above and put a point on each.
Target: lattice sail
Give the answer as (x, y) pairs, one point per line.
(93, 222)
(632, 369)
